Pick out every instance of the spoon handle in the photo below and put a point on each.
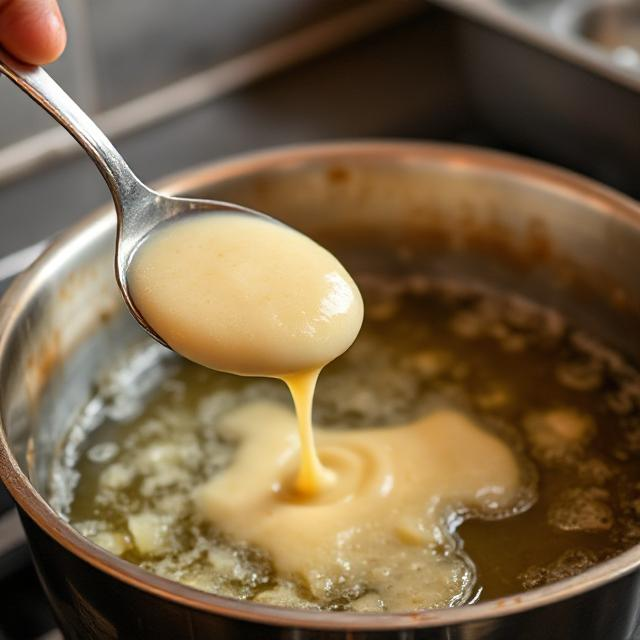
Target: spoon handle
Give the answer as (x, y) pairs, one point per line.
(44, 90)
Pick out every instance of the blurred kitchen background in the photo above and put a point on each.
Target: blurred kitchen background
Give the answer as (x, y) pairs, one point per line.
(177, 84)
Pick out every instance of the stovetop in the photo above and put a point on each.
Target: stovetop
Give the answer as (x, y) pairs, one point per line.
(402, 81)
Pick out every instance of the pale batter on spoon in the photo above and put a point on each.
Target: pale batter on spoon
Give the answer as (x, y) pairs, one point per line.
(250, 296)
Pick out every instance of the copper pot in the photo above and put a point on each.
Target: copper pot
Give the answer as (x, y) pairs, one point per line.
(508, 222)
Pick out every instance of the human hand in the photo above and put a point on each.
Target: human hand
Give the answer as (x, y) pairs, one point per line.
(32, 30)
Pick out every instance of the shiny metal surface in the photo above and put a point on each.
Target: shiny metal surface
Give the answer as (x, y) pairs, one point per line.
(537, 87)
(611, 25)
(139, 209)
(534, 21)
(443, 210)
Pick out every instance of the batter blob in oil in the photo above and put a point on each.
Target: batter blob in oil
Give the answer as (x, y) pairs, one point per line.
(380, 530)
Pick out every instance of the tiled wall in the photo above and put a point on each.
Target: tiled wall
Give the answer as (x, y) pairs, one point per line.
(120, 49)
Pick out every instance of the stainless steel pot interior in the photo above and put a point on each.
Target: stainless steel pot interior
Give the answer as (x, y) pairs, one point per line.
(441, 210)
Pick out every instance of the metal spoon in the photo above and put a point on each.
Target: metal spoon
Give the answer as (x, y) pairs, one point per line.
(139, 209)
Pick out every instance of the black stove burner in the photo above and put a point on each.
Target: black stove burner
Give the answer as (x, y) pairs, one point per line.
(24, 612)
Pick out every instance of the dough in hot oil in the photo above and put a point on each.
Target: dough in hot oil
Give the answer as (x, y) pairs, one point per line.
(382, 527)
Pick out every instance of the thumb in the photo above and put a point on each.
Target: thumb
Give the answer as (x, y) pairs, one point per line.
(32, 30)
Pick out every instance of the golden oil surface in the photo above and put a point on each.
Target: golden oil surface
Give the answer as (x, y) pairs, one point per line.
(567, 406)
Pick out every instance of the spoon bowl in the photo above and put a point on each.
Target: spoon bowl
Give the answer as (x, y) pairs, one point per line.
(139, 209)
(143, 211)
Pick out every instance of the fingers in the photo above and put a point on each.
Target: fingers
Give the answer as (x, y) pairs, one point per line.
(32, 30)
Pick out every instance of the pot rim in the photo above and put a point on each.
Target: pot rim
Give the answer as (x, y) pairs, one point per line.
(453, 157)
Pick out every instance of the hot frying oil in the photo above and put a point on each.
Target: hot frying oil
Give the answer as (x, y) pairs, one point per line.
(565, 406)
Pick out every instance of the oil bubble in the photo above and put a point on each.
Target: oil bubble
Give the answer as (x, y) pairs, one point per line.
(103, 452)
(570, 563)
(582, 509)
(558, 435)
(580, 376)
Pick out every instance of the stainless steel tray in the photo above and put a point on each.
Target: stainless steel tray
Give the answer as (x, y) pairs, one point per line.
(543, 74)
